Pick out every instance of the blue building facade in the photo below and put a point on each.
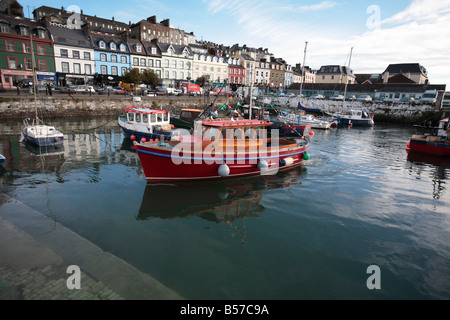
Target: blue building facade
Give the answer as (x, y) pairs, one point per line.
(112, 57)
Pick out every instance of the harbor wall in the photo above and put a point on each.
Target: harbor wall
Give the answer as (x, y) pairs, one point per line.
(22, 108)
(63, 107)
(393, 112)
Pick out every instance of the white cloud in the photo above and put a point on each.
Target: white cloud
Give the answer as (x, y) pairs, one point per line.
(418, 34)
(324, 5)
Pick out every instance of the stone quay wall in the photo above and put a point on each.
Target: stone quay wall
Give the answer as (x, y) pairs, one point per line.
(92, 106)
(85, 106)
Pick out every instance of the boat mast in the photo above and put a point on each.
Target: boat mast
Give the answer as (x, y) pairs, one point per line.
(251, 94)
(303, 70)
(34, 77)
(346, 79)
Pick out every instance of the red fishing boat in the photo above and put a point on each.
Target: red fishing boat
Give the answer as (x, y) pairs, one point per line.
(221, 149)
(437, 144)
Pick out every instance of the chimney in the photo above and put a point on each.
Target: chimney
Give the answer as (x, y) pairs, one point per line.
(152, 19)
(166, 23)
(112, 19)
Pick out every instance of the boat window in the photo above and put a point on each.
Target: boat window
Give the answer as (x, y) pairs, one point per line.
(138, 117)
(249, 134)
(145, 118)
(166, 117)
(186, 115)
(238, 133)
(153, 118)
(212, 134)
(159, 117)
(130, 116)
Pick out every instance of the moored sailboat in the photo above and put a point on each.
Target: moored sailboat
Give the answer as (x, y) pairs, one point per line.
(35, 131)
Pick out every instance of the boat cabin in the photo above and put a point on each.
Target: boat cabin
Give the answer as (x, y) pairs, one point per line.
(148, 116)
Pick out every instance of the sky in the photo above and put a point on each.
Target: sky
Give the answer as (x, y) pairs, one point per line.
(376, 33)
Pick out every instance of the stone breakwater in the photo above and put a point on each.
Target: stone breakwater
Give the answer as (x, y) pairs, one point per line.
(62, 107)
(383, 111)
(22, 108)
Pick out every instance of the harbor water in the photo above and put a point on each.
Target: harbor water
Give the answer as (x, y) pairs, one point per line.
(308, 233)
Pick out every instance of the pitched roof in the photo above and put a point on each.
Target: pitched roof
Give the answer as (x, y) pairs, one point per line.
(405, 68)
(400, 78)
(70, 37)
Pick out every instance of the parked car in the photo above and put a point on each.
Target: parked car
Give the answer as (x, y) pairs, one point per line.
(364, 97)
(407, 99)
(350, 97)
(337, 97)
(317, 96)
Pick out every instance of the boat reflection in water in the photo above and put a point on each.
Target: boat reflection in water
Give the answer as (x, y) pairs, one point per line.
(223, 201)
(440, 169)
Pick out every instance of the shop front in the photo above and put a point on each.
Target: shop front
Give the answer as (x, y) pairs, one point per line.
(11, 78)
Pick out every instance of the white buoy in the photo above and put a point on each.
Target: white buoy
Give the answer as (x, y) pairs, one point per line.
(224, 170)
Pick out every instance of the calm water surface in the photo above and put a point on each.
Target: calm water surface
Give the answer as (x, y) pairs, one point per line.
(309, 233)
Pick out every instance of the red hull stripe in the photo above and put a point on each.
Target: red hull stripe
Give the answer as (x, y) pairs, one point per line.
(164, 155)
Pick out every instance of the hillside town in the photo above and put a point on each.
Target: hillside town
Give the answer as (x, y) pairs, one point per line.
(73, 49)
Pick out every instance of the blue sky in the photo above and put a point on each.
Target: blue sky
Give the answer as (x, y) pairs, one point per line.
(381, 32)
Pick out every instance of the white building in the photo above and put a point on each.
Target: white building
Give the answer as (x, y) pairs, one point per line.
(74, 56)
(177, 64)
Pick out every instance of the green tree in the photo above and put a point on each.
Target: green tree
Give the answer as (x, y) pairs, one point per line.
(201, 81)
(149, 77)
(132, 76)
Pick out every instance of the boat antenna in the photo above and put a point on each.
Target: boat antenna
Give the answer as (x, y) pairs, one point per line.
(211, 104)
(346, 78)
(34, 77)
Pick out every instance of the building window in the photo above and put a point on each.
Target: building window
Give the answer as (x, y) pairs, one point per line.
(123, 48)
(166, 74)
(104, 69)
(112, 45)
(150, 62)
(123, 59)
(64, 53)
(113, 58)
(114, 71)
(158, 73)
(41, 50)
(77, 68)
(87, 69)
(24, 31)
(174, 75)
(42, 65)
(142, 62)
(153, 50)
(135, 61)
(181, 65)
(76, 54)
(166, 63)
(124, 70)
(102, 57)
(87, 56)
(28, 63)
(41, 34)
(4, 28)
(138, 48)
(102, 45)
(65, 67)
(12, 63)
(10, 46)
(158, 63)
(26, 47)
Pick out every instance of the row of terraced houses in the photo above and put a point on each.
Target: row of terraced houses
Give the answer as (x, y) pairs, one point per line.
(75, 48)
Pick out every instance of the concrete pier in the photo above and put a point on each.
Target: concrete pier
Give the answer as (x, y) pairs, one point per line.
(35, 252)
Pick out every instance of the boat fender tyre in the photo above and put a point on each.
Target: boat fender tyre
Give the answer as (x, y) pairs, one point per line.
(224, 170)
(306, 156)
(263, 166)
